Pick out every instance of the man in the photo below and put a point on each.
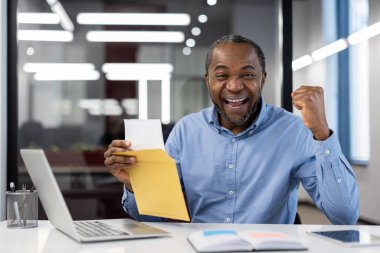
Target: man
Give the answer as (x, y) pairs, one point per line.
(242, 160)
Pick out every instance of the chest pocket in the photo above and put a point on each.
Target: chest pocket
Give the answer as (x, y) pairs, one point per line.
(205, 169)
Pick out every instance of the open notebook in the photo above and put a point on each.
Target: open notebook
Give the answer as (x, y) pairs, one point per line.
(223, 240)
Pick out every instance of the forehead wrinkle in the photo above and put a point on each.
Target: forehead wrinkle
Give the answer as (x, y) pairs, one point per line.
(246, 67)
(230, 53)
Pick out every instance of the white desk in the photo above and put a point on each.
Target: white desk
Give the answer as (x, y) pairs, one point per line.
(47, 239)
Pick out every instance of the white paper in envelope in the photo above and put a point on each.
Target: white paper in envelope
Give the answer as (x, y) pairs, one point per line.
(144, 134)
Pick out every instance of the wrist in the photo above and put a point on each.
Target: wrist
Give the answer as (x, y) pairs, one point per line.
(322, 134)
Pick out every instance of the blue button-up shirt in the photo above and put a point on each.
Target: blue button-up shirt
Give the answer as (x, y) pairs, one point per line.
(253, 177)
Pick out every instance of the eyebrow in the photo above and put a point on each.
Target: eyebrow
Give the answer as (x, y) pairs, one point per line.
(243, 68)
(220, 67)
(248, 67)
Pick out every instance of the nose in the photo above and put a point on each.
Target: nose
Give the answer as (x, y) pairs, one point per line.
(235, 84)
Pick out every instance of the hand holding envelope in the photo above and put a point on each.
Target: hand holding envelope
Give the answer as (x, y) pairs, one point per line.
(154, 177)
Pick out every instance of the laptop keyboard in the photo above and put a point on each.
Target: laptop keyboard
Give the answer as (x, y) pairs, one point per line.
(96, 229)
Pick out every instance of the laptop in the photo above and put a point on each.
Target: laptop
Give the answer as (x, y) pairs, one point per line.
(59, 216)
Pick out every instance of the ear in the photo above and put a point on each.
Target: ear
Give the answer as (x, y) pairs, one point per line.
(263, 79)
(207, 81)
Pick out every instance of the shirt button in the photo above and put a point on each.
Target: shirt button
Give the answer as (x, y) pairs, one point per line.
(251, 132)
(327, 151)
(228, 219)
(234, 140)
(231, 166)
(231, 193)
(339, 180)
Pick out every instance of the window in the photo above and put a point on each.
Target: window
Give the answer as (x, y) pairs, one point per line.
(335, 57)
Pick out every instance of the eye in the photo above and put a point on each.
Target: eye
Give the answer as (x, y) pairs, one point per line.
(248, 76)
(221, 76)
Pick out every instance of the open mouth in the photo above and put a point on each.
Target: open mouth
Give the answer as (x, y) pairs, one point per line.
(236, 103)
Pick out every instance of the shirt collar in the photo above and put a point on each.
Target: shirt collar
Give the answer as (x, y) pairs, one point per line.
(213, 119)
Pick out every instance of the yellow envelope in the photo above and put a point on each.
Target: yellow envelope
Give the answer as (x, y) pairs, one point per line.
(156, 184)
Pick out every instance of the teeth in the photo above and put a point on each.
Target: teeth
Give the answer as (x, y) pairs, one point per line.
(235, 100)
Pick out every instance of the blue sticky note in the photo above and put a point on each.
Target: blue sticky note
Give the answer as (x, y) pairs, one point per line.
(219, 232)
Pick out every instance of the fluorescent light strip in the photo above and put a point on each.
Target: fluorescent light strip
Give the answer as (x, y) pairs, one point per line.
(37, 18)
(301, 62)
(137, 71)
(89, 103)
(51, 2)
(329, 49)
(364, 34)
(101, 106)
(63, 17)
(114, 76)
(111, 107)
(165, 100)
(136, 36)
(142, 68)
(143, 99)
(130, 105)
(144, 72)
(45, 35)
(337, 46)
(117, 111)
(67, 76)
(31, 67)
(173, 19)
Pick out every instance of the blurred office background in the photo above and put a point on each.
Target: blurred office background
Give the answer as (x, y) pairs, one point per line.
(78, 68)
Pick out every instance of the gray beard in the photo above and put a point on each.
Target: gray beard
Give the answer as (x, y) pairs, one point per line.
(237, 122)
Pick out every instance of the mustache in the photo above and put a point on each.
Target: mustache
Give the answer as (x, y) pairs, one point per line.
(251, 114)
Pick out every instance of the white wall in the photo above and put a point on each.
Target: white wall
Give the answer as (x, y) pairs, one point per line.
(3, 101)
(369, 176)
(307, 36)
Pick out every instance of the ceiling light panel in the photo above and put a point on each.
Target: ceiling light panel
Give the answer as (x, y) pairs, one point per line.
(62, 71)
(31, 67)
(364, 34)
(45, 35)
(138, 67)
(137, 71)
(37, 18)
(67, 76)
(301, 62)
(169, 19)
(136, 36)
(329, 49)
(64, 19)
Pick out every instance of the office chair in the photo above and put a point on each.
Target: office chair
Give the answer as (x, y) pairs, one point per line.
(297, 219)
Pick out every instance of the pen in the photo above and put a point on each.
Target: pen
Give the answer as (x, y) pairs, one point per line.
(15, 205)
(12, 185)
(24, 206)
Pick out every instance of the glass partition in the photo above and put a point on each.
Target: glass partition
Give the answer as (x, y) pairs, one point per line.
(84, 66)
